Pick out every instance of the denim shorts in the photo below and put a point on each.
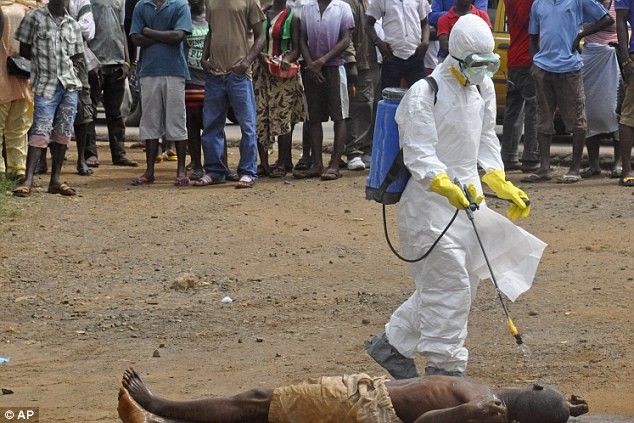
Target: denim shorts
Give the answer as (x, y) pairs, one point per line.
(53, 118)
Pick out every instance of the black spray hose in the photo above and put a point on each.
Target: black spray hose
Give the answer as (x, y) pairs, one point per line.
(389, 243)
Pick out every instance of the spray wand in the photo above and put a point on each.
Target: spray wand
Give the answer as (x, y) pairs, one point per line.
(473, 206)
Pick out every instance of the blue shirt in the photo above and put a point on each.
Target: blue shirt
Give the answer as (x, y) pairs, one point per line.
(557, 22)
(440, 7)
(161, 59)
(627, 5)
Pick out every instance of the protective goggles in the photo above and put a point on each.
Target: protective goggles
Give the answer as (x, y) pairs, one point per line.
(487, 63)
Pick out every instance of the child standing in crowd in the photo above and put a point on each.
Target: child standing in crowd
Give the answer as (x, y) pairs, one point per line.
(195, 88)
(55, 83)
(279, 100)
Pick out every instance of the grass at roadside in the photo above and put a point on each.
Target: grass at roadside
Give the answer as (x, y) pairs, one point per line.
(6, 210)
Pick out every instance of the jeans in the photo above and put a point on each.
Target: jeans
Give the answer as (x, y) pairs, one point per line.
(220, 92)
(109, 85)
(520, 112)
(359, 139)
(53, 118)
(392, 71)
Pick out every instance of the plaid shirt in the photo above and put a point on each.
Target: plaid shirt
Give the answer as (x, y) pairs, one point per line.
(52, 47)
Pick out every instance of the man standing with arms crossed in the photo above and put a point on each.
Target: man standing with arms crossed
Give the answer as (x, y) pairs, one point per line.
(159, 27)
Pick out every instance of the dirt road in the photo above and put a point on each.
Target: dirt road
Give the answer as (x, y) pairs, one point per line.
(87, 289)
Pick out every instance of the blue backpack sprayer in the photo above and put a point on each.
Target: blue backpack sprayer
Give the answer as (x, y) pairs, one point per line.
(388, 178)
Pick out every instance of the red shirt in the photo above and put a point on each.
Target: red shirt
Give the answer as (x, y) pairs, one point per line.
(449, 19)
(517, 14)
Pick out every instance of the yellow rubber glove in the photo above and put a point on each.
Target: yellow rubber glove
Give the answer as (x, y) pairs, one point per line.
(505, 190)
(442, 185)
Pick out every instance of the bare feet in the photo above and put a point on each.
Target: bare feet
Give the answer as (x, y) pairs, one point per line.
(138, 391)
(131, 412)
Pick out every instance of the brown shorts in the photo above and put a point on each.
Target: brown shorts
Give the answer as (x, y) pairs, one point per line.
(348, 399)
(627, 109)
(563, 91)
(327, 100)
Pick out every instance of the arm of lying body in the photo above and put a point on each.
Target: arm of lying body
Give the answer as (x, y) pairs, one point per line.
(481, 410)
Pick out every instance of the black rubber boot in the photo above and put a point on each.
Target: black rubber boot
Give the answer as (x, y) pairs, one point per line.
(397, 365)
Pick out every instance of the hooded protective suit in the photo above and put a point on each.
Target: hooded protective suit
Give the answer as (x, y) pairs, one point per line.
(453, 137)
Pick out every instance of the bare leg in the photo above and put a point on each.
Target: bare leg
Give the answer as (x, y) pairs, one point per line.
(264, 158)
(58, 152)
(627, 134)
(181, 152)
(593, 145)
(316, 143)
(248, 407)
(32, 160)
(577, 152)
(81, 137)
(544, 154)
(151, 151)
(339, 144)
(284, 145)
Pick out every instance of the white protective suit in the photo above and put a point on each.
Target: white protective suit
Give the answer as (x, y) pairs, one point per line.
(453, 136)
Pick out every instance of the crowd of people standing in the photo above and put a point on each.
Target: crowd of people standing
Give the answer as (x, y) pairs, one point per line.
(277, 64)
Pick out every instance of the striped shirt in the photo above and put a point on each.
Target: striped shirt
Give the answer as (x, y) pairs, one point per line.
(52, 47)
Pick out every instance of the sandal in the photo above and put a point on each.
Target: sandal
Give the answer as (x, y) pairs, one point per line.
(207, 180)
(536, 177)
(330, 175)
(245, 182)
(85, 171)
(277, 172)
(627, 181)
(303, 164)
(616, 172)
(92, 162)
(22, 191)
(262, 171)
(232, 176)
(62, 189)
(142, 181)
(306, 174)
(589, 172)
(170, 156)
(196, 174)
(182, 181)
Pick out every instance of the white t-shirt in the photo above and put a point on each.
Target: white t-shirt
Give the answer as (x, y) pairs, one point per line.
(401, 23)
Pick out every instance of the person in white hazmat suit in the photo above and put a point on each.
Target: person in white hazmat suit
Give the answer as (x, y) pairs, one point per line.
(441, 142)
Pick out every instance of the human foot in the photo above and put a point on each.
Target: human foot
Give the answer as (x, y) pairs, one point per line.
(136, 388)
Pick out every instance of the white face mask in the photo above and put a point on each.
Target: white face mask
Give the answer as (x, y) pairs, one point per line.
(475, 76)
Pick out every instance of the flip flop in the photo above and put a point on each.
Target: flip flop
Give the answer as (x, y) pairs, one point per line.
(616, 172)
(330, 175)
(569, 179)
(245, 182)
(142, 181)
(85, 171)
(62, 189)
(182, 181)
(207, 180)
(277, 172)
(92, 162)
(306, 174)
(534, 177)
(628, 181)
(22, 191)
(589, 172)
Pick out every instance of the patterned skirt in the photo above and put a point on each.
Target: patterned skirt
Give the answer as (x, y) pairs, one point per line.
(279, 101)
